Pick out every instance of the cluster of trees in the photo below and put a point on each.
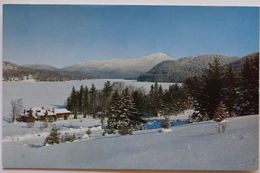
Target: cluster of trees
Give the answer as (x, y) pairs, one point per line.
(125, 106)
(220, 85)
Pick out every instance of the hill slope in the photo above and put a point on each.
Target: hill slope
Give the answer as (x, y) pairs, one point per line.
(41, 67)
(178, 71)
(13, 72)
(118, 68)
(236, 149)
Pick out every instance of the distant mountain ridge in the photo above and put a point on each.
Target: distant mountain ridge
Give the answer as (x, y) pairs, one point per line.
(13, 72)
(178, 71)
(155, 67)
(41, 67)
(118, 68)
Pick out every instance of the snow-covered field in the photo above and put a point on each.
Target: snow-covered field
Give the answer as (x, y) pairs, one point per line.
(196, 146)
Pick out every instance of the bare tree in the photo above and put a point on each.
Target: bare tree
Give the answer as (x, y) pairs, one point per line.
(16, 108)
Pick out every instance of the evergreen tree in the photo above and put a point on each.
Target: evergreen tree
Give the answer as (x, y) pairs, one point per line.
(72, 101)
(123, 114)
(81, 98)
(210, 96)
(249, 87)
(85, 102)
(93, 97)
(115, 110)
(139, 99)
(230, 90)
(221, 112)
(175, 99)
(107, 89)
(53, 137)
(155, 99)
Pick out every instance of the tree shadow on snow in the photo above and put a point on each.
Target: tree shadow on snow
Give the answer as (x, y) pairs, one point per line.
(7, 119)
(34, 146)
(59, 106)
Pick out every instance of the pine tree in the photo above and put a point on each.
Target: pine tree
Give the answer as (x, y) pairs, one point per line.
(123, 114)
(230, 90)
(53, 137)
(115, 110)
(155, 99)
(81, 98)
(221, 112)
(107, 89)
(85, 102)
(249, 87)
(72, 101)
(93, 97)
(210, 96)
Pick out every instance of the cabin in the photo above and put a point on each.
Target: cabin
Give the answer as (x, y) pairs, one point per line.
(39, 113)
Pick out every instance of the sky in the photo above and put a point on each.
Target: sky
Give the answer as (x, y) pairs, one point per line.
(61, 35)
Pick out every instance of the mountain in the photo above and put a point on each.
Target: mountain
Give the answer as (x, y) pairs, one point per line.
(238, 63)
(179, 70)
(118, 68)
(41, 67)
(13, 72)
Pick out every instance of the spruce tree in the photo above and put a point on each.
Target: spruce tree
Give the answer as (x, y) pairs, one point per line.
(54, 136)
(81, 98)
(249, 87)
(107, 89)
(230, 90)
(221, 112)
(72, 101)
(85, 102)
(93, 97)
(210, 96)
(115, 110)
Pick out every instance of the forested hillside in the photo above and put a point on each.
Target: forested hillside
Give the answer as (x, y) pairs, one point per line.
(13, 72)
(178, 71)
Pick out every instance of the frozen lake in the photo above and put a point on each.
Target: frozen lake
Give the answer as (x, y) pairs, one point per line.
(51, 94)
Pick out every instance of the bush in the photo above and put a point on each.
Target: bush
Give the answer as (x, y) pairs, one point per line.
(166, 123)
(221, 127)
(108, 132)
(88, 132)
(54, 136)
(44, 125)
(124, 130)
(67, 137)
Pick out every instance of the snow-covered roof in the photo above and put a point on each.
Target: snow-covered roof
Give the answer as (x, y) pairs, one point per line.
(59, 111)
(41, 111)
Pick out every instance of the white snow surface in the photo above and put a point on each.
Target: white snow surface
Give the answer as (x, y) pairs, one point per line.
(195, 146)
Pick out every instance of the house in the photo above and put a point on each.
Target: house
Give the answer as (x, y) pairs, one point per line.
(39, 113)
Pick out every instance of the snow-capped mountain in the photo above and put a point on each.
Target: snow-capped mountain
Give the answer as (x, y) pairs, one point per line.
(118, 68)
(41, 67)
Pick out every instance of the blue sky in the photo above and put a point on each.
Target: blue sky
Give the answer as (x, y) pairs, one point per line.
(61, 35)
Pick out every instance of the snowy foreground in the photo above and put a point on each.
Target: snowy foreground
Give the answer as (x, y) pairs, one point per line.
(195, 146)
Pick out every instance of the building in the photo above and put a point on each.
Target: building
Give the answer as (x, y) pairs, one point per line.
(39, 113)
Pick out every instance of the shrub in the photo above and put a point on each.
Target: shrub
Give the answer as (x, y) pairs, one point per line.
(124, 130)
(44, 125)
(166, 123)
(67, 137)
(108, 132)
(88, 132)
(54, 136)
(221, 127)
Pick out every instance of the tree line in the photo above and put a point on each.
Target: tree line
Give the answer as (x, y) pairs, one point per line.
(220, 85)
(126, 106)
